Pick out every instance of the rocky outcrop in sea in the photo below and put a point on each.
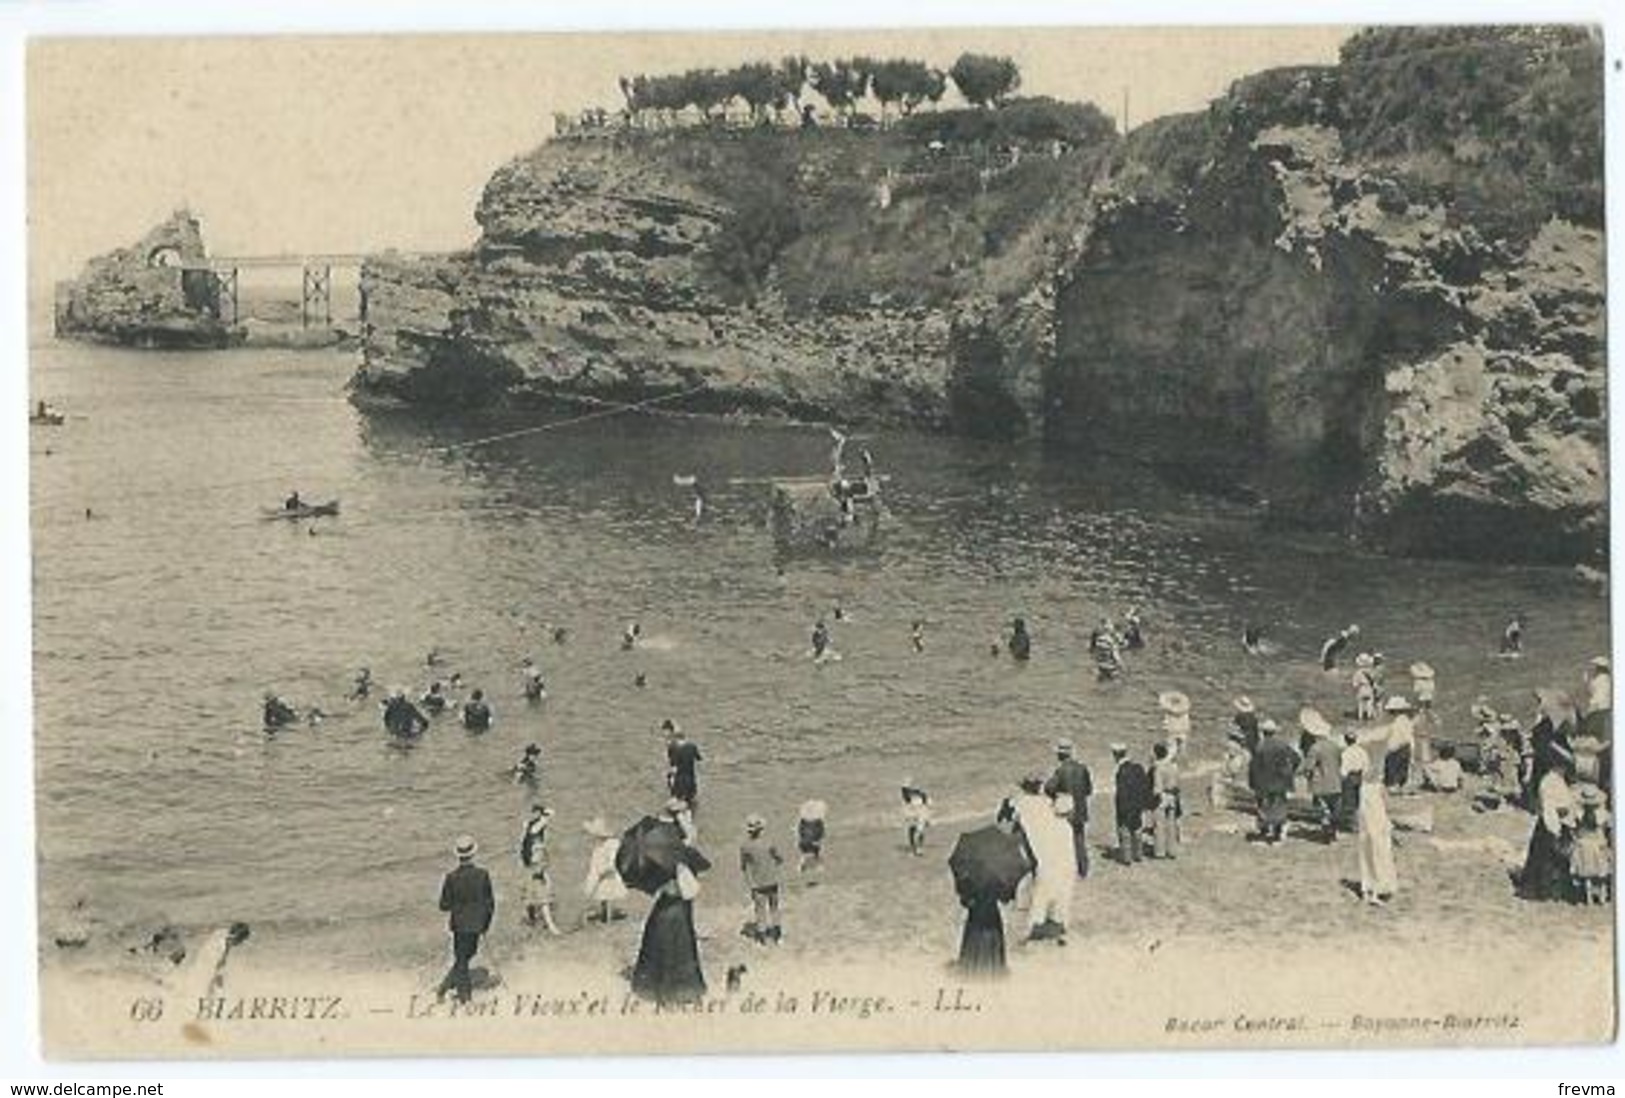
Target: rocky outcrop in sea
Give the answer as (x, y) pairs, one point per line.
(157, 292)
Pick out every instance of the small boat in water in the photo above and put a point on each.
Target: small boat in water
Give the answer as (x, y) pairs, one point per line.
(44, 415)
(304, 510)
(809, 515)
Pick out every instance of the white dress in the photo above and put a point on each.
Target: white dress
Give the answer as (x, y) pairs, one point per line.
(1376, 839)
(603, 884)
(1051, 840)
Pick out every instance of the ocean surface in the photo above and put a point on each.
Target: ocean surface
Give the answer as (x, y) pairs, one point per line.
(165, 604)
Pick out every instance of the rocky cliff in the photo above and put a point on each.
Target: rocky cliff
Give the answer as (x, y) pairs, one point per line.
(157, 292)
(1363, 337)
(1368, 295)
(825, 274)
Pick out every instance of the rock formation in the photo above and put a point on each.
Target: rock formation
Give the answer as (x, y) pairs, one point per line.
(1375, 310)
(157, 292)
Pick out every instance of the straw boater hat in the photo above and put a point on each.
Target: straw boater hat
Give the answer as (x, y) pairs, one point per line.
(1064, 746)
(597, 828)
(1364, 660)
(1397, 704)
(466, 848)
(1420, 670)
(1312, 722)
(1266, 725)
(1591, 795)
(814, 810)
(1174, 703)
(1243, 704)
(1119, 749)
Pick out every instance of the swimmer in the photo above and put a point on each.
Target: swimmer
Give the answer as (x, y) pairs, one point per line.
(839, 612)
(477, 713)
(362, 687)
(401, 717)
(314, 716)
(631, 637)
(276, 712)
(535, 689)
(916, 635)
(560, 634)
(916, 816)
(527, 770)
(435, 699)
(1020, 643)
(432, 659)
(640, 680)
(1334, 646)
(1512, 637)
(1133, 636)
(820, 640)
(1252, 639)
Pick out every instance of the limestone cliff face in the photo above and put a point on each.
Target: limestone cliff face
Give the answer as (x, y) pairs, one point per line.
(1285, 318)
(154, 293)
(648, 266)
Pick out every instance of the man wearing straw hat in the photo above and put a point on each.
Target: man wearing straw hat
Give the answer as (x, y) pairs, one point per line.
(1323, 767)
(470, 903)
(1072, 779)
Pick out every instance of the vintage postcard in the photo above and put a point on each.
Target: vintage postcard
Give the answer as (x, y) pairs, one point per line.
(964, 539)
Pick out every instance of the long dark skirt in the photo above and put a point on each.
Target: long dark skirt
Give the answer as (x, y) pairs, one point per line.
(1545, 873)
(981, 950)
(1396, 768)
(668, 965)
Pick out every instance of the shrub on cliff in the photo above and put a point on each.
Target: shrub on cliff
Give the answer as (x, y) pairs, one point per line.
(1508, 118)
(1033, 120)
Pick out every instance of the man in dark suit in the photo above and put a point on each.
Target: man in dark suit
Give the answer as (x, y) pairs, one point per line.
(1272, 770)
(1133, 797)
(466, 896)
(1072, 778)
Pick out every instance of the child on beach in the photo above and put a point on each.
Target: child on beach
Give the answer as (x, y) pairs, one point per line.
(810, 836)
(603, 886)
(538, 892)
(759, 862)
(1591, 861)
(916, 816)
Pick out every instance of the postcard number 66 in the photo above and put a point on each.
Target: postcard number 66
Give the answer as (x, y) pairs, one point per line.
(146, 1010)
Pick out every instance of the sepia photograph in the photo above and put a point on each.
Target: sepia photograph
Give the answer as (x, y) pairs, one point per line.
(845, 540)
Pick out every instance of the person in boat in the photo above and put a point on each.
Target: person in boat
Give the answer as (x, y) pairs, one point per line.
(435, 700)
(362, 687)
(535, 689)
(401, 717)
(293, 502)
(477, 713)
(1020, 644)
(1334, 646)
(1133, 634)
(820, 640)
(277, 713)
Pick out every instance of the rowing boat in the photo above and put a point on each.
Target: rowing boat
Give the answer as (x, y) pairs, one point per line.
(304, 510)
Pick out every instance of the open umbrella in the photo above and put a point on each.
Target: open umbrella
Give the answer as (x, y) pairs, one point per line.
(988, 862)
(650, 852)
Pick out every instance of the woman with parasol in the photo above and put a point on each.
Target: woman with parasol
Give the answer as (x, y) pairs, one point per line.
(988, 864)
(655, 858)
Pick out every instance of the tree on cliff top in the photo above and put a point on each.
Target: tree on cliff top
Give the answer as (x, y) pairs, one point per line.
(841, 83)
(899, 80)
(985, 80)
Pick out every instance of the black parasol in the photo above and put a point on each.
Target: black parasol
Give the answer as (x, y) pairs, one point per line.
(988, 862)
(650, 852)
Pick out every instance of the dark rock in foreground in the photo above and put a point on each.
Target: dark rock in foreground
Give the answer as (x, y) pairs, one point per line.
(156, 293)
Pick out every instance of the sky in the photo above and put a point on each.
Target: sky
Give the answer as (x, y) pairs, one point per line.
(356, 144)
